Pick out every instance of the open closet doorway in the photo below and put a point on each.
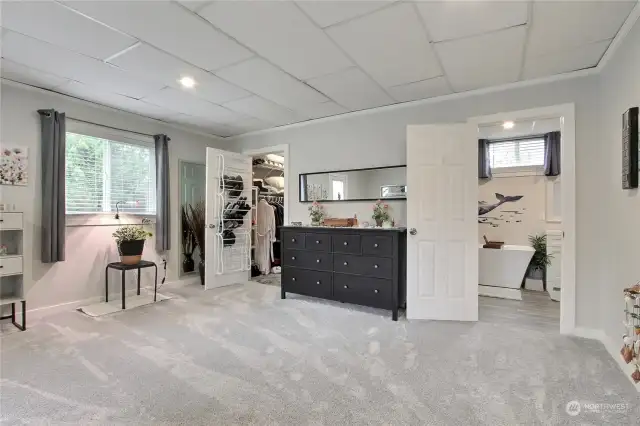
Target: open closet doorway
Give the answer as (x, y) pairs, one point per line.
(269, 211)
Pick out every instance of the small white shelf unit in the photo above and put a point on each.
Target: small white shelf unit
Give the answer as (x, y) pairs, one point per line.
(12, 266)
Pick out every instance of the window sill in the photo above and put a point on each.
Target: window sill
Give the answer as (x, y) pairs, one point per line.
(107, 219)
(517, 171)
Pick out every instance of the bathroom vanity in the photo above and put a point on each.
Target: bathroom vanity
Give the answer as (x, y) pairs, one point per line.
(364, 266)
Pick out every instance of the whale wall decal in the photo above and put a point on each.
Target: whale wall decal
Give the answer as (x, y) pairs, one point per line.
(484, 208)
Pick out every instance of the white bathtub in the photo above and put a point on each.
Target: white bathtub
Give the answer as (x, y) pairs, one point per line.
(501, 270)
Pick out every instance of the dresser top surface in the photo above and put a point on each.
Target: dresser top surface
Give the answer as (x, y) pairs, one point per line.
(346, 229)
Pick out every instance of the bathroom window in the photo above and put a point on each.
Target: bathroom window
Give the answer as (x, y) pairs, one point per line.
(516, 153)
(102, 172)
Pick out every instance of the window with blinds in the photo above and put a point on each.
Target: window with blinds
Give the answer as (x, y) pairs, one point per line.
(516, 153)
(102, 172)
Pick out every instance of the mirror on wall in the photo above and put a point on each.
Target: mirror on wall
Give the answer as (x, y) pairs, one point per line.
(193, 185)
(355, 185)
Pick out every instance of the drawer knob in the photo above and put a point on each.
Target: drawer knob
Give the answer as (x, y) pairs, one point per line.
(318, 282)
(346, 286)
(345, 263)
(293, 240)
(293, 279)
(317, 241)
(376, 245)
(293, 258)
(317, 260)
(375, 291)
(375, 266)
(346, 243)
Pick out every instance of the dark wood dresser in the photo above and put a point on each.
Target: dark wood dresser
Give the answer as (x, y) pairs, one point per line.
(365, 266)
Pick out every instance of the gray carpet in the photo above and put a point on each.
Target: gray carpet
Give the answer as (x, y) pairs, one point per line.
(240, 355)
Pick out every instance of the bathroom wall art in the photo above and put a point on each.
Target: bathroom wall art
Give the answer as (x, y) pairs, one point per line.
(14, 165)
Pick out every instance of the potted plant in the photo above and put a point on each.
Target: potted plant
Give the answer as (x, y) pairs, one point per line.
(189, 242)
(317, 213)
(130, 241)
(540, 259)
(196, 217)
(380, 212)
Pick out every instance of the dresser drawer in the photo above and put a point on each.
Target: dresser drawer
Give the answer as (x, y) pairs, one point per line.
(366, 291)
(317, 242)
(310, 283)
(11, 221)
(292, 239)
(308, 260)
(379, 267)
(377, 245)
(10, 265)
(346, 244)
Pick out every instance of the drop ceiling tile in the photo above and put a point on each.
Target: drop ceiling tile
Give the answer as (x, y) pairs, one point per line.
(194, 5)
(420, 89)
(447, 20)
(74, 66)
(353, 89)
(264, 110)
(565, 61)
(390, 45)
(324, 109)
(280, 32)
(17, 72)
(203, 125)
(145, 60)
(59, 25)
(248, 125)
(329, 12)
(264, 79)
(169, 27)
(486, 60)
(561, 25)
(186, 103)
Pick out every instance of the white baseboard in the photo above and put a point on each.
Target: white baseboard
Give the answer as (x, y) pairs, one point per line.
(500, 292)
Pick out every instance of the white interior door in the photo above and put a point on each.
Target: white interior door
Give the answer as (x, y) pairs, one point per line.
(554, 271)
(227, 254)
(442, 200)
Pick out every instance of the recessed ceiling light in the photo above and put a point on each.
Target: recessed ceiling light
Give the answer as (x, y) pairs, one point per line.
(187, 82)
(508, 124)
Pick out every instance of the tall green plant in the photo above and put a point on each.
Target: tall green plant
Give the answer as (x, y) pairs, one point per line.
(541, 259)
(189, 242)
(196, 216)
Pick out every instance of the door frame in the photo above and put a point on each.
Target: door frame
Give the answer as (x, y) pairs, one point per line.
(568, 165)
(277, 149)
(182, 275)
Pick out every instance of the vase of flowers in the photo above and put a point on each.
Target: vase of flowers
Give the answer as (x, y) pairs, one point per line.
(380, 212)
(130, 241)
(317, 213)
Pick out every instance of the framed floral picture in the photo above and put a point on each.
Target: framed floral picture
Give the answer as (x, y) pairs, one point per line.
(14, 165)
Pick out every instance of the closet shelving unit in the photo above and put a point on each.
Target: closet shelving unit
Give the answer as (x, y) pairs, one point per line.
(11, 266)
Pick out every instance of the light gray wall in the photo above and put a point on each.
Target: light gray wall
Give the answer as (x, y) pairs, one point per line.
(378, 139)
(620, 90)
(88, 249)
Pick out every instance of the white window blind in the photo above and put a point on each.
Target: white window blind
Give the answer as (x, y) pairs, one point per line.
(102, 172)
(516, 153)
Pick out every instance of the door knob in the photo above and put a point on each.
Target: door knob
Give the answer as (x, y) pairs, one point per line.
(413, 231)
(212, 226)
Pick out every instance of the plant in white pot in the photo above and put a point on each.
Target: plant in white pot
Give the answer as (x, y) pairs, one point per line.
(130, 240)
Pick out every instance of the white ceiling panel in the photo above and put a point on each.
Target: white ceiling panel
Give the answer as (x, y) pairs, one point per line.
(169, 27)
(93, 94)
(420, 89)
(147, 61)
(65, 63)
(264, 110)
(561, 25)
(264, 79)
(56, 24)
(353, 89)
(203, 125)
(324, 109)
(194, 5)
(186, 103)
(566, 60)
(390, 45)
(280, 32)
(486, 60)
(447, 20)
(17, 72)
(248, 125)
(329, 12)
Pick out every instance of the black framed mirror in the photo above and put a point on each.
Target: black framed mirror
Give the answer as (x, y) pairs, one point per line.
(370, 184)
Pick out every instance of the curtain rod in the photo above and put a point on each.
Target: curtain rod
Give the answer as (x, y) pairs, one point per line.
(518, 138)
(110, 127)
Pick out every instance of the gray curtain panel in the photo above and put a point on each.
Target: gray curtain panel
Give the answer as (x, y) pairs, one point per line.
(484, 165)
(163, 232)
(552, 154)
(52, 149)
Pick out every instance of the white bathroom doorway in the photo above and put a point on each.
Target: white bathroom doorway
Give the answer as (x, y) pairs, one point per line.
(514, 144)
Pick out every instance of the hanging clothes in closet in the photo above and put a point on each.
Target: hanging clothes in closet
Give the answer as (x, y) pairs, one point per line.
(265, 236)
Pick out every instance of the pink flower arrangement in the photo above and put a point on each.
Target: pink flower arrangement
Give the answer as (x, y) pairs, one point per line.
(380, 212)
(316, 212)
